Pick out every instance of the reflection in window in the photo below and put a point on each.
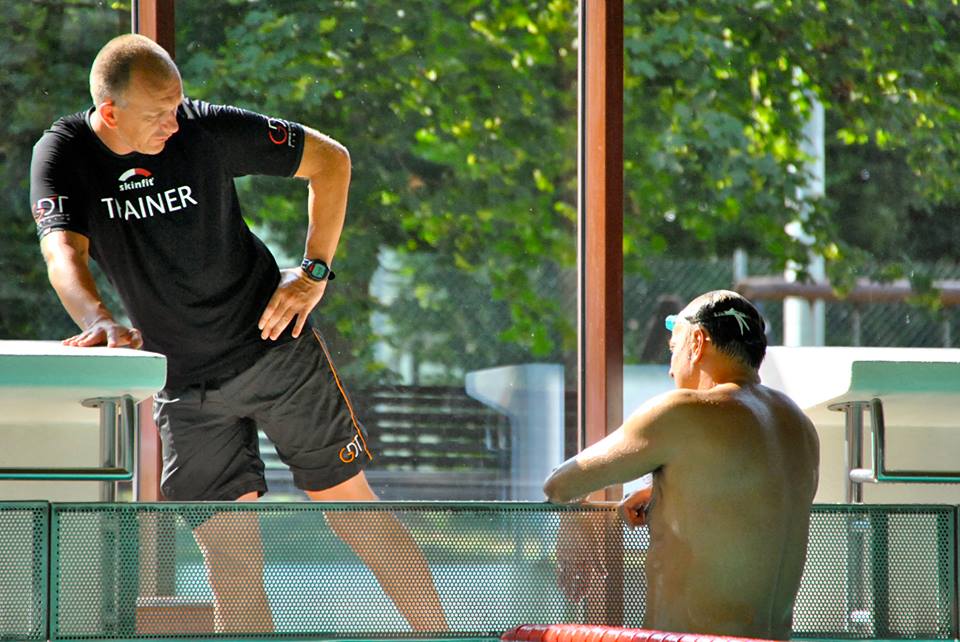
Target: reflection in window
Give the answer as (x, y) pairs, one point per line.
(458, 254)
(716, 105)
(47, 51)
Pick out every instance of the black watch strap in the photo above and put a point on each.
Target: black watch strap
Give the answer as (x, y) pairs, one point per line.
(317, 270)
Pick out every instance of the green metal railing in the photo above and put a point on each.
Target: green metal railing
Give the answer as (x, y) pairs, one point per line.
(24, 570)
(879, 571)
(878, 471)
(135, 571)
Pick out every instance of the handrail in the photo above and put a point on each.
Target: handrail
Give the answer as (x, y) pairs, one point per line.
(114, 447)
(878, 472)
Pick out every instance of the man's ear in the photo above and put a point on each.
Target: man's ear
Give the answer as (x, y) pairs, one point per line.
(699, 340)
(108, 113)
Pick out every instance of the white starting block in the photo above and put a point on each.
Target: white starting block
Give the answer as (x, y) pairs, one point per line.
(916, 390)
(69, 413)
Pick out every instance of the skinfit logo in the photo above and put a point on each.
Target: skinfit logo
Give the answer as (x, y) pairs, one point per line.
(135, 178)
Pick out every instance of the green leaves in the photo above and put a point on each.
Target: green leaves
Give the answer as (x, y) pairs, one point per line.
(461, 121)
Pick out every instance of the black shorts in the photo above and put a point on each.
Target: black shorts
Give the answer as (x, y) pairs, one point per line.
(293, 394)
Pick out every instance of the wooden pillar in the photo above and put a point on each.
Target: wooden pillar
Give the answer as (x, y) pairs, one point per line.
(154, 19)
(600, 251)
(149, 459)
(600, 257)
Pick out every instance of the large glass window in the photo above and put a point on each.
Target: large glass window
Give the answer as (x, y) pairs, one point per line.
(46, 55)
(757, 138)
(47, 51)
(452, 318)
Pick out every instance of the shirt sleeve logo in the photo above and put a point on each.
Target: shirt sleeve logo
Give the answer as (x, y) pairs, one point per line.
(279, 131)
(50, 213)
(48, 208)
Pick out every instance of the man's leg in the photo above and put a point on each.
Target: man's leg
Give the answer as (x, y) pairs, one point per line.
(210, 453)
(233, 555)
(404, 573)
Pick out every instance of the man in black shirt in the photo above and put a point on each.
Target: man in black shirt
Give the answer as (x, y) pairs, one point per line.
(143, 184)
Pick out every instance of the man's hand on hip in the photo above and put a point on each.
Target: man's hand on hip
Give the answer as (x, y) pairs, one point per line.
(296, 296)
(105, 331)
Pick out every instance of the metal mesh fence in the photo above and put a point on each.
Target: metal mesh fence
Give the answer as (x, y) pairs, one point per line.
(879, 572)
(136, 571)
(129, 571)
(23, 570)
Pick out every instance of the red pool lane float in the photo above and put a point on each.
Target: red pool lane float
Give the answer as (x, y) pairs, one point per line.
(592, 633)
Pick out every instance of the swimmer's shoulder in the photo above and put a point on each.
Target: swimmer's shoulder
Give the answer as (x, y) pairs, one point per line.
(688, 406)
(679, 406)
(776, 410)
(725, 400)
(735, 394)
(786, 405)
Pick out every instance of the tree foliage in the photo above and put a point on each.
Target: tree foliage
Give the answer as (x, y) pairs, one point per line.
(45, 59)
(717, 95)
(461, 121)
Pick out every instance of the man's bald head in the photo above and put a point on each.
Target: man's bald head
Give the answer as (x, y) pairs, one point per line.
(113, 67)
(734, 325)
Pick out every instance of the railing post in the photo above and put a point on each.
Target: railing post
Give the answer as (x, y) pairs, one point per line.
(953, 583)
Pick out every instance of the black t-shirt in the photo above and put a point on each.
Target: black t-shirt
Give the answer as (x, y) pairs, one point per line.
(167, 230)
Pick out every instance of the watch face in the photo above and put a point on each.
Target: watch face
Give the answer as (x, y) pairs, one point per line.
(317, 269)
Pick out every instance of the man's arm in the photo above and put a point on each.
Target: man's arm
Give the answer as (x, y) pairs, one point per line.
(646, 441)
(641, 445)
(326, 165)
(67, 255)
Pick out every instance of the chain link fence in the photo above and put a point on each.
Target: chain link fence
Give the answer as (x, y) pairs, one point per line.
(677, 281)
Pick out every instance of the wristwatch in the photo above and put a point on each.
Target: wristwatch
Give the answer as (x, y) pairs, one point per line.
(317, 270)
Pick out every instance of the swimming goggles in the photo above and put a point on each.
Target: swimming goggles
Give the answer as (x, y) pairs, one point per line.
(743, 321)
(672, 319)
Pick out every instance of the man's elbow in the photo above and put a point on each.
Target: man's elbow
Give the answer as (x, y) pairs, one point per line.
(555, 490)
(341, 156)
(324, 158)
(336, 161)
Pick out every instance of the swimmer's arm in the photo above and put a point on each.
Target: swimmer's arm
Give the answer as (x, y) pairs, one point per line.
(67, 255)
(326, 166)
(644, 443)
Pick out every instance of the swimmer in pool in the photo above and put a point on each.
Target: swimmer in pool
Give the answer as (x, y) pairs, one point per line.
(735, 469)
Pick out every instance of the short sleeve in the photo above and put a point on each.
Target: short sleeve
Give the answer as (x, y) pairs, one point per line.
(251, 143)
(54, 197)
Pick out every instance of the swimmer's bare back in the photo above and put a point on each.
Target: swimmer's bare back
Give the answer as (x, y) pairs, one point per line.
(730, 511)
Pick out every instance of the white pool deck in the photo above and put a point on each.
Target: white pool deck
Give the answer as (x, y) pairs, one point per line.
(43, 385)
(920, 392)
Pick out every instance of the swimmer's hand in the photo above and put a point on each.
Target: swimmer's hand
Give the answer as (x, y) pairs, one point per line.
(296, 296)
(633, 508)
(581, 567)
(106, 331)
